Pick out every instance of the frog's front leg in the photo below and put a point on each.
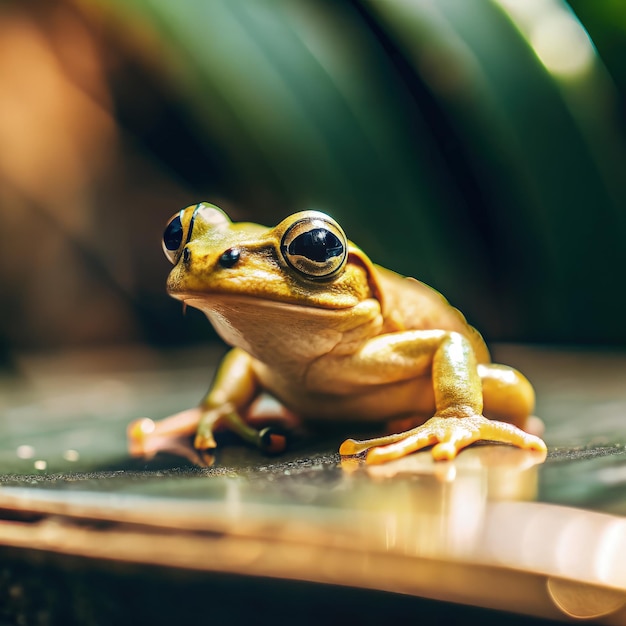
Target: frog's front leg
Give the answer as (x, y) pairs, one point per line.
(233, 390)
(458, 392)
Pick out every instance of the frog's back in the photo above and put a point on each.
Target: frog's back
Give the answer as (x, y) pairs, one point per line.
(412, 305)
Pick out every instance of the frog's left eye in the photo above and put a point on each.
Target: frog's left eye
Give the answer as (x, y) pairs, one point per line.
(316, 247)
(173, 237)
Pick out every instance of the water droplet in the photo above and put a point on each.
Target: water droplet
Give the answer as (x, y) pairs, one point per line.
(71, 455)
(25, 452)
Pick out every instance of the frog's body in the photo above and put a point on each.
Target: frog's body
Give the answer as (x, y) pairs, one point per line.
(333, 337)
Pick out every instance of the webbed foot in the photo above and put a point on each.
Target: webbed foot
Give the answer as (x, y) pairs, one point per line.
(447, 435)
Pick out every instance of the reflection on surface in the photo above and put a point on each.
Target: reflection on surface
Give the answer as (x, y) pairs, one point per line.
(437, 509)
(482, 530)
(462, 531)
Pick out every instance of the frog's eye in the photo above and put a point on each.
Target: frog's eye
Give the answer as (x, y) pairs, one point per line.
(211, 215)
(194, 220)
(315, 247)
(173, 237)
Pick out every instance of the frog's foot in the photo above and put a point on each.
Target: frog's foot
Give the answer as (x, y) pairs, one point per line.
(448, 435)
(226, 416)
(146, 437)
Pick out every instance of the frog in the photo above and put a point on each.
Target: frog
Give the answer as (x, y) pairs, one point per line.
(314, 323)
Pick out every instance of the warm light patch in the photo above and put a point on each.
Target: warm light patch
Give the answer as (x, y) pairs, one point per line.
(562, 45)
(555, 35)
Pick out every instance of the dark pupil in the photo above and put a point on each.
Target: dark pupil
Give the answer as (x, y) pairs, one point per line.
(317, 244)
(173, 235)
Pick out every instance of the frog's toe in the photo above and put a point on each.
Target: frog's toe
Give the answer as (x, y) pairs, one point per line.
(446, 451)
(350, 447)
(271, 441)
(205, 458)
(503, 432)
(453, 441)
(411, 442)
(204, 441)
(138, 432)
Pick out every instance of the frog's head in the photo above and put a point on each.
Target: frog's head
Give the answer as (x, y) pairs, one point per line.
(305, 260)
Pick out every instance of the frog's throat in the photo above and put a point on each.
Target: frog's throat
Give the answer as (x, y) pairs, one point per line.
(252, 315)
(280, 332)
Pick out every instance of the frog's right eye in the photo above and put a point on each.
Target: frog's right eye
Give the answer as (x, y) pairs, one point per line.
(173, 237)
(194, 221)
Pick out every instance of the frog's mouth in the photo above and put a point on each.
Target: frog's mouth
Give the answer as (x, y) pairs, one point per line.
(272, 330)
(300, 301)
(243, 304)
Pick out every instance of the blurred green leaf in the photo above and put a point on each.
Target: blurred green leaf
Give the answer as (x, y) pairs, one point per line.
(435, 132)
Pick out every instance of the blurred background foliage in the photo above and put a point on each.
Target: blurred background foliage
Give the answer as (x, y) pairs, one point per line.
(477, 145)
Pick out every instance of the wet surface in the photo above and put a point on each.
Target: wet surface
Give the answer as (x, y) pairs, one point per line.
(64, 427)
(398, 527)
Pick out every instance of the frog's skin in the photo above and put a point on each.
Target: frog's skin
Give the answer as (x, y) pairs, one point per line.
(332, 336)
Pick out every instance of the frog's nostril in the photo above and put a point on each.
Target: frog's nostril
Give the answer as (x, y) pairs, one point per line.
(230, 257)
(186, 255)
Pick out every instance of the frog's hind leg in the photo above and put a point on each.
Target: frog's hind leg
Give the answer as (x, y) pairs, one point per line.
(508, 396)
(146, 437)
(458, 420)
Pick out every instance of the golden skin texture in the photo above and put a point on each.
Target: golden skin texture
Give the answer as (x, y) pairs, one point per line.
(315, 323)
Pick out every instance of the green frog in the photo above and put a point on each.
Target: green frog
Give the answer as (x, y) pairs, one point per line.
(314, 323)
